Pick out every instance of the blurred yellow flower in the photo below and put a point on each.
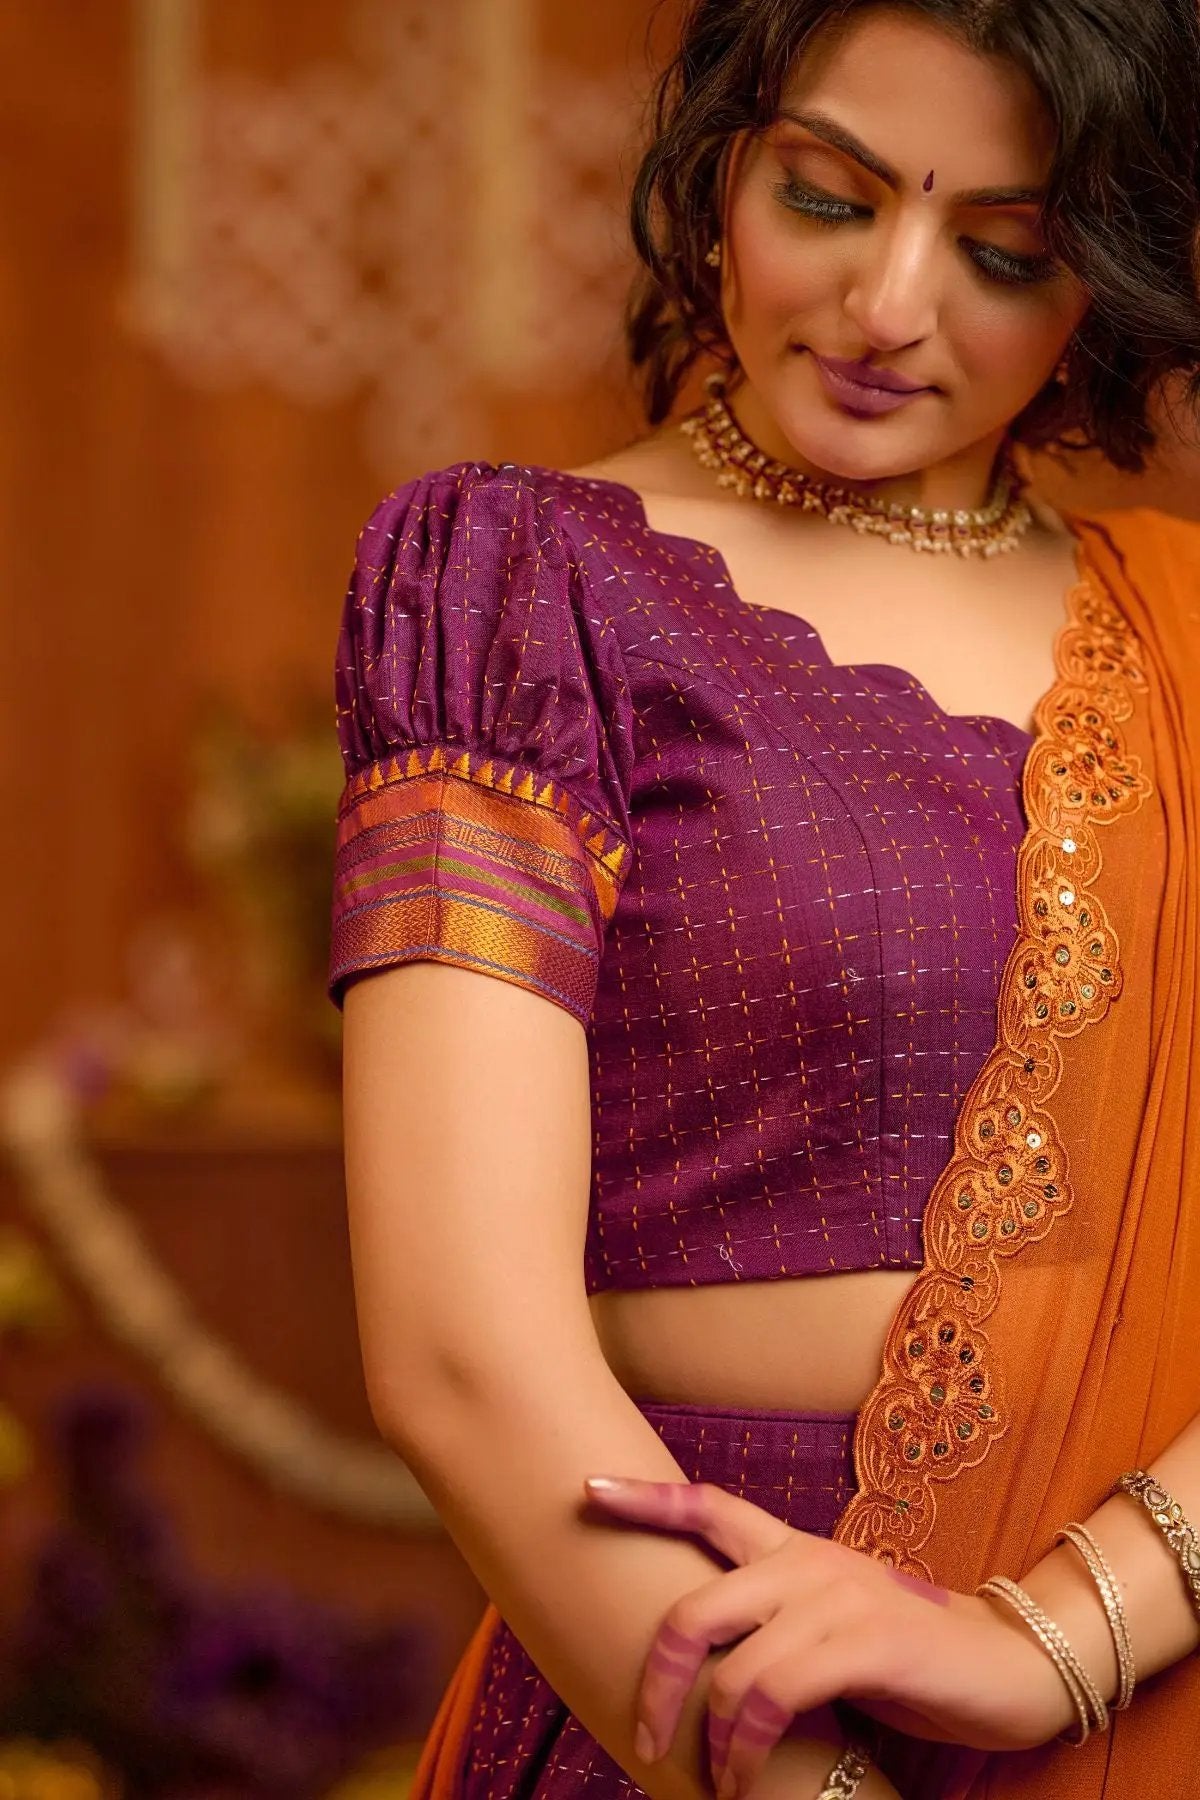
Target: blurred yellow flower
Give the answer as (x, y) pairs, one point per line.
(33, 1771)
(30, 1298)
(385, 1776)
(15, 1457)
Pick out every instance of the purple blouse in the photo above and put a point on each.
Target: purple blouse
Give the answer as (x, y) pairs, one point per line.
(777, 892)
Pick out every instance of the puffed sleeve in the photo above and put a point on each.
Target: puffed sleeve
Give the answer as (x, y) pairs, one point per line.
(484, 722)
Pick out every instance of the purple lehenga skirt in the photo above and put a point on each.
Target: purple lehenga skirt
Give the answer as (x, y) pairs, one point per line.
(524, 1743)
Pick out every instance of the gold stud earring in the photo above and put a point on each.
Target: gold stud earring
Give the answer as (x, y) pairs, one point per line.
(713, 258)
(1063, 370)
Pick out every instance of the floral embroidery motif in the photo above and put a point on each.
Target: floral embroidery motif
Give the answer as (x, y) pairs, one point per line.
(939, 1406)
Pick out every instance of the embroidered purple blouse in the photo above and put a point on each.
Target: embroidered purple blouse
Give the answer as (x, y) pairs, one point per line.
(778, 893)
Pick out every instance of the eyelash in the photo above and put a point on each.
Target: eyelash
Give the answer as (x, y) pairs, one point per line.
(995, 265)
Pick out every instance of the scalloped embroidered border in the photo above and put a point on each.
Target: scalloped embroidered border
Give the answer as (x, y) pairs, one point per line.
(938, 1406)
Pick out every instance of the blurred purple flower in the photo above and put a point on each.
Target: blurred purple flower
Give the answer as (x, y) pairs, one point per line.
(192, 1693)
(99, 1429)
(258, 1679)
(145, 1549)
(71, 1601)
(389, 1679)
(85, 1064)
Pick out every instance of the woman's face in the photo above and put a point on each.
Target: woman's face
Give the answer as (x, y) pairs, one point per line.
(889, 216)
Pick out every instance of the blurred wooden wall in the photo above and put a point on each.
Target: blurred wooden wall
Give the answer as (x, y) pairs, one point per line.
(159, 540)
(163, 539)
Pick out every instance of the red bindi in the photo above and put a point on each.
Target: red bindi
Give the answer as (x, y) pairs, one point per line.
(927, 184)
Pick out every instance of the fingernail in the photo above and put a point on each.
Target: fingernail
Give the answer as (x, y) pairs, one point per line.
(643, 1743)
(604, 1484)
(728, 1787)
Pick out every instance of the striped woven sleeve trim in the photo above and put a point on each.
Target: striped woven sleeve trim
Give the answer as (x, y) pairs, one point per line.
(450, 856)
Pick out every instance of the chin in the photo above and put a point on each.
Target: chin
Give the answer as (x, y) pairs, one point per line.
(856, 451)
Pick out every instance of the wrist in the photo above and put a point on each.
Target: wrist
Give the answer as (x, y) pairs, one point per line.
(1042, 1707)
(1064, 1588)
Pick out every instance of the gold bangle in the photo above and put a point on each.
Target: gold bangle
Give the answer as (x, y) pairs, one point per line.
(1114, 1606)
(846, 1774)
(1076, 1680)
(1168, 1515)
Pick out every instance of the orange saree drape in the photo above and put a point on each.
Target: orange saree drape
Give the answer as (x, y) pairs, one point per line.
(1052, 1338)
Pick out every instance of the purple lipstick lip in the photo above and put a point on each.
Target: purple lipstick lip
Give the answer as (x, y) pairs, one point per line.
(861, 399)
(869, 375)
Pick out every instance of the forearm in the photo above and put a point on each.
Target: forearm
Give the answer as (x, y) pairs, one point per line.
(468, 1206)
(503, 1462)
(1163, 1622)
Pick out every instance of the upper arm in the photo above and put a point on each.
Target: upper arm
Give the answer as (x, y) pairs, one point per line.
(483, 831)
(467, 1140)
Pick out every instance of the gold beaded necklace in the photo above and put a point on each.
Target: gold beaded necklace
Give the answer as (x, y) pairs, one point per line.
(720, 443)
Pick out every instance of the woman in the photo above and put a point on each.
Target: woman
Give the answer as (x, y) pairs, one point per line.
(888, 1001)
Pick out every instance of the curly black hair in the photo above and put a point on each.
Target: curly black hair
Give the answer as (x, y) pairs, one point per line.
(1121, 80)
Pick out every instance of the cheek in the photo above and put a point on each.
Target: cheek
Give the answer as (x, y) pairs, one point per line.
(1008, 343)
(775, 278)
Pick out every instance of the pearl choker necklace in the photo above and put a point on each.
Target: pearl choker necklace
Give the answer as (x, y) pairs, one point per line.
(720, 443)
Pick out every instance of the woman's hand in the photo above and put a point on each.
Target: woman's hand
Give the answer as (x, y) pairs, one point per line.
(813, 1621)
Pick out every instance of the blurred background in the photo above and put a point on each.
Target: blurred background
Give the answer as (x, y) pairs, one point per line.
(261, 263)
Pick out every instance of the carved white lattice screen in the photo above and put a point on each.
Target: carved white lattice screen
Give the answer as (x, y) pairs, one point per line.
(439, 212)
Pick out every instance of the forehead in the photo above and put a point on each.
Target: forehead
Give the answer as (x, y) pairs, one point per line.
(923, 99)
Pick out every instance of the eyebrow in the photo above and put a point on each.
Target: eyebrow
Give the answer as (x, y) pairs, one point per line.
(830, 132)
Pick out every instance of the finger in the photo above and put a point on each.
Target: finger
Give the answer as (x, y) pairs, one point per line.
(670, 1672)
(821, 1723)
(736, 1527)
(830, 1665)
(741, 1746)
(718, 1612)
(745, 1695)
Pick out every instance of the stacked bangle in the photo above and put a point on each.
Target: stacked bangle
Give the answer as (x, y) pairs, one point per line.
(1089, 1702)
(1168, 1515)
(1184, 1540)
(1114, 1607)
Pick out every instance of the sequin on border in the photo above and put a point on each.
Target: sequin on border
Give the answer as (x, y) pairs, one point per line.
(939, 1407)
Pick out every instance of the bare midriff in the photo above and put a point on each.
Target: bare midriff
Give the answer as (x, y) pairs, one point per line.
(811, 1343)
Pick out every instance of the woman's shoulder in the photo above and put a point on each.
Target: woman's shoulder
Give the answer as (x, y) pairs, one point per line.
(1146, 523)
(502, 508)
(1160, 547)
(538, 483)
(475, 543)
(1169, 527)
(1159, 554)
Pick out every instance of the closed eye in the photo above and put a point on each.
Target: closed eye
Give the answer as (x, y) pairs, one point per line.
(815, 204)
(997, 265)
(1003, 265)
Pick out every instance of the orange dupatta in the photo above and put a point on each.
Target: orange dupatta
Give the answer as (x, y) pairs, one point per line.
(1052, 1338)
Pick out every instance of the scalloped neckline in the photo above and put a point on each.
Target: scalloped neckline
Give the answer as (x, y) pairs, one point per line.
(637, 505)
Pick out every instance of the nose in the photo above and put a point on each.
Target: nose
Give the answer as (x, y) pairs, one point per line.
(892, 295)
